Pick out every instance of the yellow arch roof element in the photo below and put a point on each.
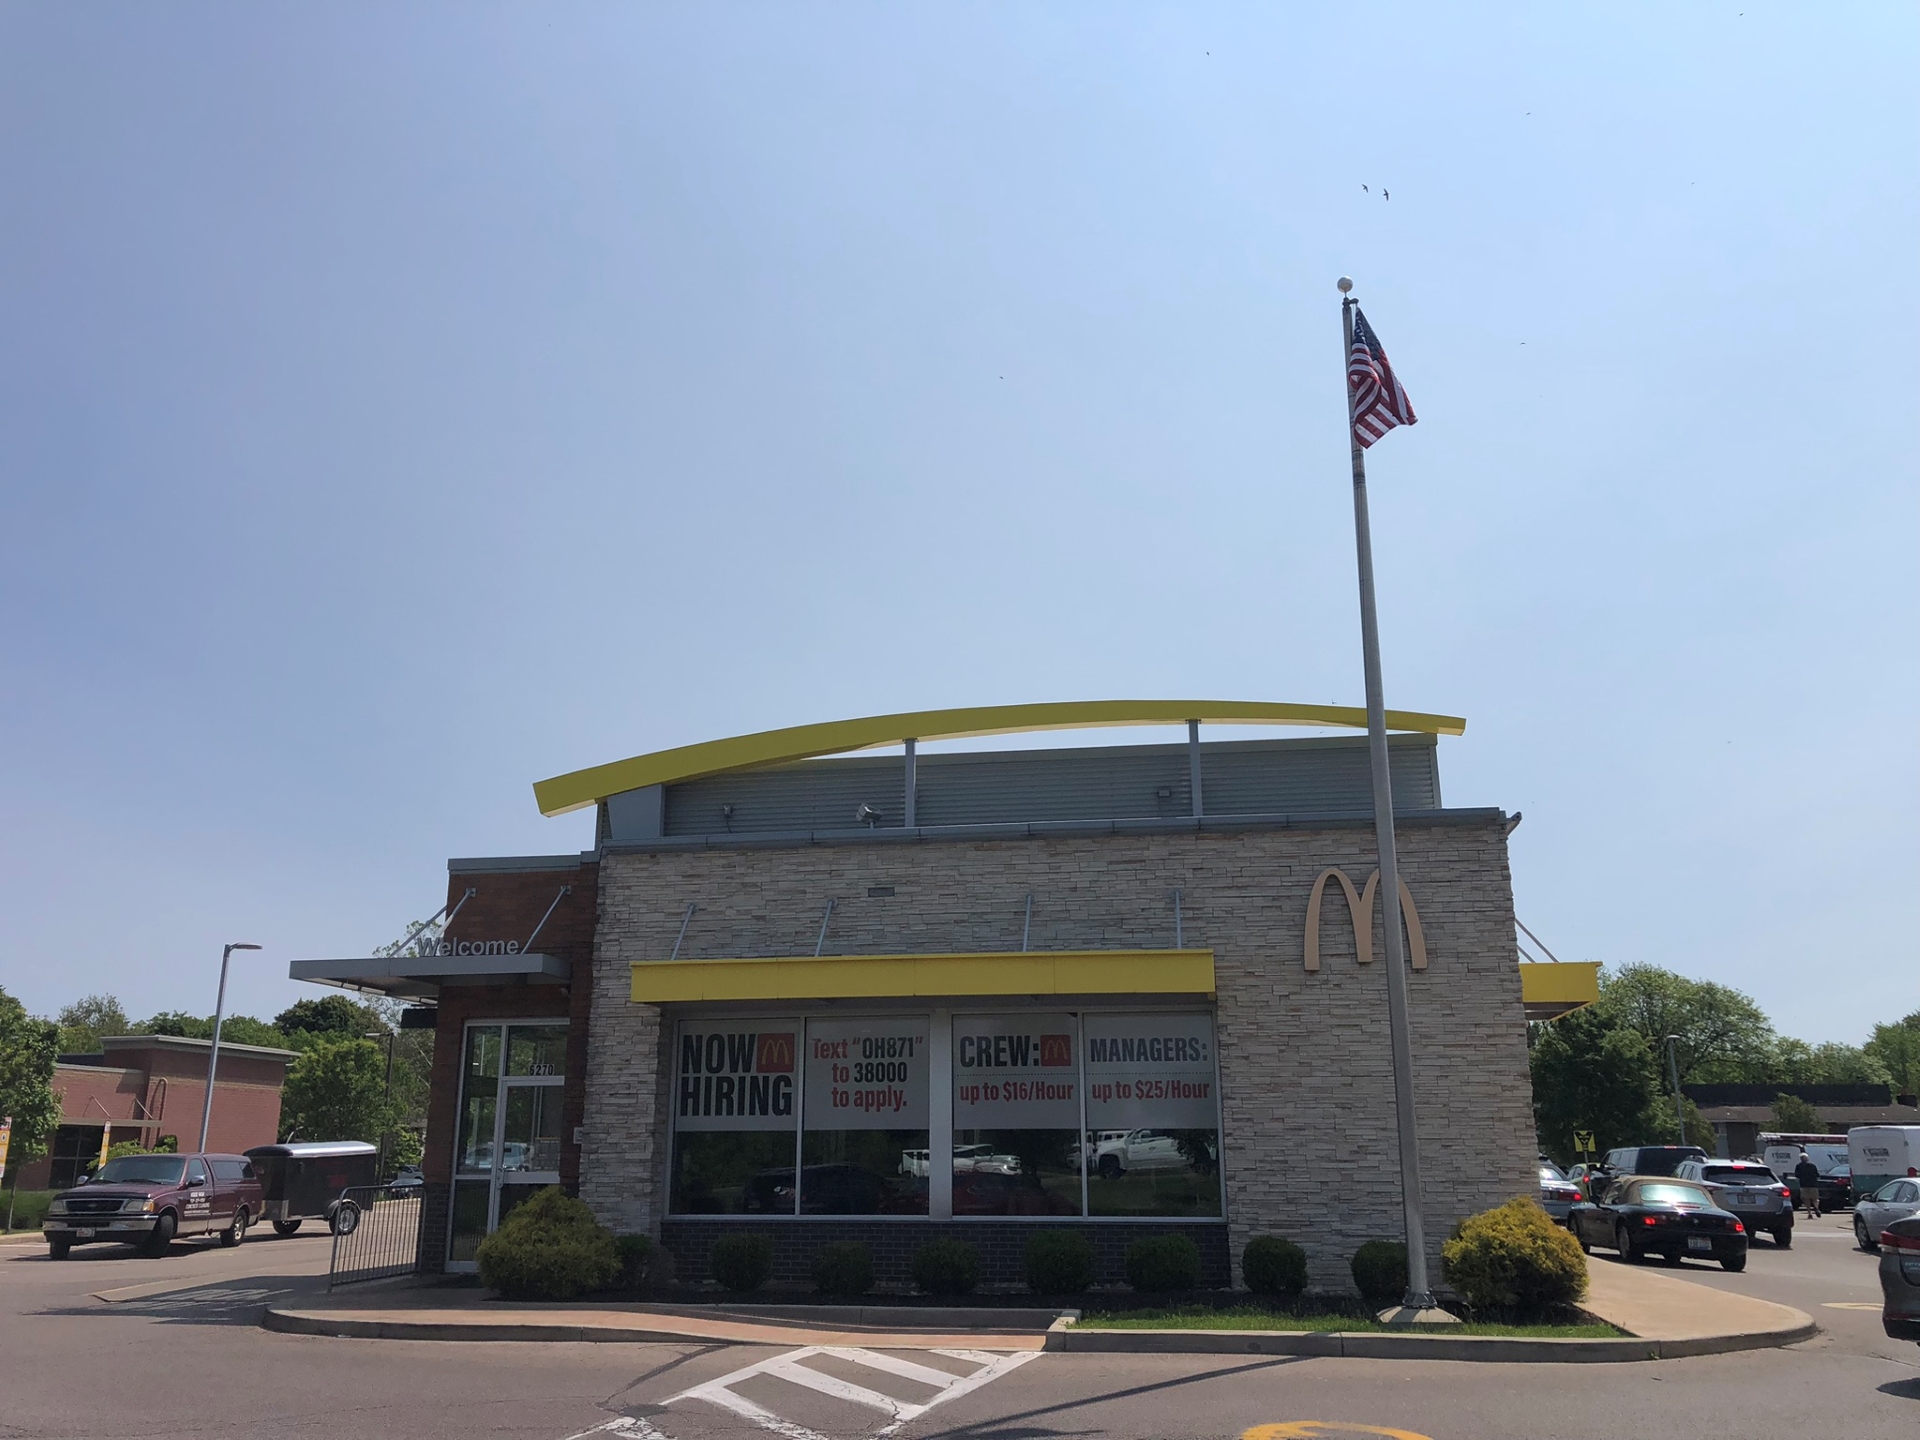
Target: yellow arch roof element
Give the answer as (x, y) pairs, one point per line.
(581, 788)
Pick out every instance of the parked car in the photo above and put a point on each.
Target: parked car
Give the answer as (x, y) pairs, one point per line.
(1650, 1214)
(1588, 1178)
(147, 1200)
(1895, 1200)
(1649, 1159)
(983, 1192)
(1829, 1155)
(1139, 1150)
(1558, 1193)
(1900, 1279)
(1747, 1189)
(306, 1180)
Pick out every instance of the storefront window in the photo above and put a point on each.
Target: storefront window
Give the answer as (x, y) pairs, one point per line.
(1153, 1116)
(1054, 1115)
(864, 1151)
(1016, 1115)
(508, 1145)
(734, 1118)
(537, 1050)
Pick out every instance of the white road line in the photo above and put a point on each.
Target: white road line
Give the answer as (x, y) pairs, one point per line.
(786, 1366)
(839, 1389)
(894, 1365)
(998, 1365)
(623, 1425)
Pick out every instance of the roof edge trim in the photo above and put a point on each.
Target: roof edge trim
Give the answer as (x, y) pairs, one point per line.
(580, 788)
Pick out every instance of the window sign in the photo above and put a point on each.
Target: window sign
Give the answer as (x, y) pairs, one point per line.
(865, 1148)
(867, 1074)
(736, 1076)
(1151, 1070)
(1015, 1072)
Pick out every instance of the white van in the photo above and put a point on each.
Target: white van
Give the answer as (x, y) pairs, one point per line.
(1879, 1153)
(1782, 1152)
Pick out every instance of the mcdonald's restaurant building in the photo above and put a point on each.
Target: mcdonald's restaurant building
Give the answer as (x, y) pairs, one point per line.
(1130, 989)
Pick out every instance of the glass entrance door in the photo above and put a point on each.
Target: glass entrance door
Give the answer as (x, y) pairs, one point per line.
(508, 1146)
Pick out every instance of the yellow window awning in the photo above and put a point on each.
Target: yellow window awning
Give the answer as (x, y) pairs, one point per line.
(873, 977)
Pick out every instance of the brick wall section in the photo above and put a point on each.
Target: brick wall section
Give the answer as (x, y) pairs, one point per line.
(1002, 1245)
(507, 907)
(1310, 1144)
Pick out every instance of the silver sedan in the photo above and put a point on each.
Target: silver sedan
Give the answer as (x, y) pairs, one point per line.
(1558, 1194)
(1895, 1200)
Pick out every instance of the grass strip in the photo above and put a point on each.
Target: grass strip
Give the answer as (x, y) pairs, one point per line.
(1248, 1318)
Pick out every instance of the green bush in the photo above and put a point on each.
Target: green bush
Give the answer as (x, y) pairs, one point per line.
(1380, 1270)
(1273, 1266)
(1514, 1259)
(1059, 1262)
(635, 1251)
(946, 1267)
(549, 1248)
(843, 1268)
(29, 1207)
(1162, 1264)
(742, 1262)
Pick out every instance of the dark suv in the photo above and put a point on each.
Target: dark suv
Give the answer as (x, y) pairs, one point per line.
(1645, 1160)
(146, 1200)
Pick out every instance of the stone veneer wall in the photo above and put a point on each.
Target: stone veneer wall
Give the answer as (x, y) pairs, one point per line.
(1309, 1139)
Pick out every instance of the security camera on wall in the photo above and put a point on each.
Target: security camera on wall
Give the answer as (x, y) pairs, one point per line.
(868, 815)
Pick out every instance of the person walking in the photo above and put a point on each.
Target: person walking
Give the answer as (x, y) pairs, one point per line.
(1808, 1174)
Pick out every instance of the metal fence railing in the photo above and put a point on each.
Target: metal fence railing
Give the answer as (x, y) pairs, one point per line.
(376, 1233)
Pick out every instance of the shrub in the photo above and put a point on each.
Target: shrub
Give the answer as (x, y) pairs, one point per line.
(742, 1262)
(635, 1252)
(1273, 1266)
(1059, 1262)
(549, 1248)
(946, 1267)
(1514, 1258)
(843, 1268)
(1163, 1263)
(29, 1207)
(1380, 1270)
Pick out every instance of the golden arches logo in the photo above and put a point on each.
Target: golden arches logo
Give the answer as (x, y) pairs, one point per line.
(1360, 908)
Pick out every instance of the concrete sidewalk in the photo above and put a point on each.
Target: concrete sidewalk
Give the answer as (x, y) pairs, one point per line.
(1665, 1317)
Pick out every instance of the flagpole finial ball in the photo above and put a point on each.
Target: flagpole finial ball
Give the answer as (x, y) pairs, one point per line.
(1345, 284)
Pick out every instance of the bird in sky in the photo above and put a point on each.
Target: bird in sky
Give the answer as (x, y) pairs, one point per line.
(1384, 195)
(1365, 188)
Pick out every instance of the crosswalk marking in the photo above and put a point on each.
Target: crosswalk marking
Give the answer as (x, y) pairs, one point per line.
(989, 1365)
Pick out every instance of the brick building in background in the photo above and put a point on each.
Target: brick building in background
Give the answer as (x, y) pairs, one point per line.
(146, 1086)
(1126, 989)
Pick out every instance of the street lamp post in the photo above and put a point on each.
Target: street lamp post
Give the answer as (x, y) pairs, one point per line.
(213, 1060)
(386, 1099)
(1673, 1072)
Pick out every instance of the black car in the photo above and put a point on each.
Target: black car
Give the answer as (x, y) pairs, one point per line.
(1651, 1214)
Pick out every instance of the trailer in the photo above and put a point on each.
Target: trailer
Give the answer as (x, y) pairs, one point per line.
(305, 1180)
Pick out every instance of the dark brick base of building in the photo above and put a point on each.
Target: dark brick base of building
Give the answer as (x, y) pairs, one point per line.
(1002, 1245)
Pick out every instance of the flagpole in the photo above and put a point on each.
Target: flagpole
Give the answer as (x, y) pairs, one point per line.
(1419, 1294)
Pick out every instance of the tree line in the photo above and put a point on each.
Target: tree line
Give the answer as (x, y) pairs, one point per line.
(337, 1087)
(1604, 1069)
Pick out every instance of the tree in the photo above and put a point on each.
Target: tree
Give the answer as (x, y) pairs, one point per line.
(83, 1023)
(1591, 1072)
(1797, 1063)
(1794, 1116)
(1723, 1034)
(234, 1030)
(29, 1049)
(332, 1015)
(1897, 1046)
(337, 1091)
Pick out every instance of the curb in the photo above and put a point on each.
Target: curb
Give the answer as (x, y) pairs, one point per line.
(1064, 1337)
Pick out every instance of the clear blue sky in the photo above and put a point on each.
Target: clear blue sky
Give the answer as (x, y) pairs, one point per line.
(402, 403)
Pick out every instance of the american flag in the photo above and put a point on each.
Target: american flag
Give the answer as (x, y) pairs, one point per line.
(1379, 402)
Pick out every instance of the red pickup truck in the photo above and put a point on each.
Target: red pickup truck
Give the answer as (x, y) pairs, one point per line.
(147, 1200)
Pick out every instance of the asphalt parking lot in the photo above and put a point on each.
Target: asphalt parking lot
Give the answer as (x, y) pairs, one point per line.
(175, 1350)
